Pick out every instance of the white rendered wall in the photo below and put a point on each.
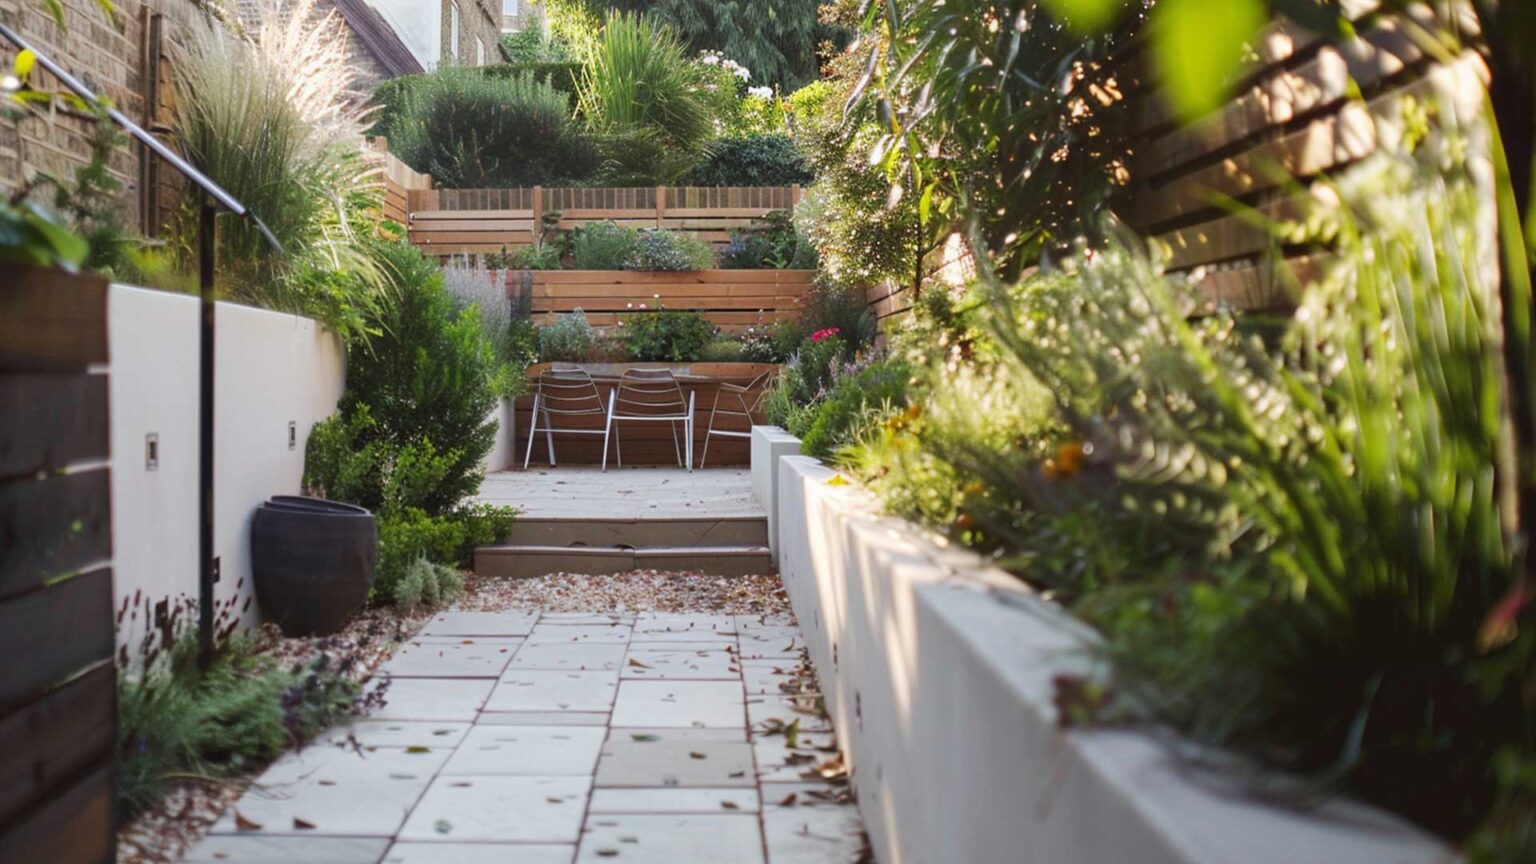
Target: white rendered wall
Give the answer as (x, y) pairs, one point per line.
(270, 369)
(503, 454)
(937, 671)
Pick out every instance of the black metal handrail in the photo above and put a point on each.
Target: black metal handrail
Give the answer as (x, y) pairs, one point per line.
(213, 194)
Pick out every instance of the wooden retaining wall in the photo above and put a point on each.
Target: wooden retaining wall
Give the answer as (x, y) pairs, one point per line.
(732, 300)
(58, 685)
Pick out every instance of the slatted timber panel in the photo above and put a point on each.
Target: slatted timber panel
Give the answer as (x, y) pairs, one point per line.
(647, 443)
(447, 222)
(732, 300)
(1210, 194)
(58, 685)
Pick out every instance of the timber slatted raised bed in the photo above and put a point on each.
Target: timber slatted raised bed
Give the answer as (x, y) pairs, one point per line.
(58, 686)
(732, 300)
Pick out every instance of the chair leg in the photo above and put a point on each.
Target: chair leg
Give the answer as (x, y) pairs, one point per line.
(710, 430)
(549, 436)
(533, 429)
(677, 450)
(608, 428)
(688, 427)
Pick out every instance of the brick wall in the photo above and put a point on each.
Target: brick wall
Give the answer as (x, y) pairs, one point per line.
(477, 19)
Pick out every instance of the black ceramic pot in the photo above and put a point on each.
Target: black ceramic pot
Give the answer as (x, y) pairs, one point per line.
(312, 562)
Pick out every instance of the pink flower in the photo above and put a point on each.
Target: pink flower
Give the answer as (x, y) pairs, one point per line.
(822, 335)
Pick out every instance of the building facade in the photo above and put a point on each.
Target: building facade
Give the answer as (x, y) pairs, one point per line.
(443, 33)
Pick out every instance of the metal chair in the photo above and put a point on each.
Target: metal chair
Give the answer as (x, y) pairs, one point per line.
(652, 396)
(563, 392)
(749, 409)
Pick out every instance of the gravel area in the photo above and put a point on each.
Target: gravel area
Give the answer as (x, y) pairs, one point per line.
(163, 834)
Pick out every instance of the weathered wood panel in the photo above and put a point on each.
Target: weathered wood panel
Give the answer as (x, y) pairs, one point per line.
(55, 738)
(50, 421)
(51, 320)
(50, 634)
(74, 827)
(53, 526)
(732, 300)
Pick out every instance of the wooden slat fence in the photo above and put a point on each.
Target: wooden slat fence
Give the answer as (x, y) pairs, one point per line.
(1306, 110)
(58, 684)
(733, 300)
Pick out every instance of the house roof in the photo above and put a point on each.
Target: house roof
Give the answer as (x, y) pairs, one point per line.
(378, 38)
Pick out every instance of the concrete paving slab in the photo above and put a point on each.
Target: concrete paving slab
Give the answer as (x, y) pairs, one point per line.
(672, 764)
(543, 718)
(256, 849)
(653, 839)
(451, 657)
(479, 853)
(777, 761)
(480, 624)
(434, 698)
(708, 801)
(569, 633)
(395, 733)
(337, 791)
(569, 656)
(670, 665)
(812, 835)
(500, 809)
(528, 750)
(545, 690)
(680, 703)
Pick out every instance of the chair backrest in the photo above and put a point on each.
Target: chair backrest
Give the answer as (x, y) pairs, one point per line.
(568, 391)
(762, 385)
(649, 393)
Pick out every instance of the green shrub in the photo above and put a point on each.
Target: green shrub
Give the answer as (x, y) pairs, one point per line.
(858, 401)
(805, 380)
(603, 246)
(231, 719)
(663, 250)
(724, 350)
(758, 160)
(472, 130)
(641, 92)
(776, 245)
(833, 306)
(540, 257)
(666, 335)
(427, 584)
(533, 45)
(762, 344)
(569, 340)
(428, 373)
(407, 536)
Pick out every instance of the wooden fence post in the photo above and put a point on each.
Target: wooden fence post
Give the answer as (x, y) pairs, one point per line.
(538, 212)
(661, 205)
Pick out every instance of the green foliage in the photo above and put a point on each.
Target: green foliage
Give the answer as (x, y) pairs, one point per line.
(513, 338)
(427, 372)
(427, 584)
(30, 234)
(834, 306)
(724, 349)
(667, 335)
(408, 537)
(533, 45)
(603, 246)
(804, 382)
(663, 250)
(469, 129)
(957, 100)
(275, 122)
(860, 400)
(640, 91)
(779, 42)
(777, 245)
(758, 160)
(1295, 549)
(231, 719)
(569, 340)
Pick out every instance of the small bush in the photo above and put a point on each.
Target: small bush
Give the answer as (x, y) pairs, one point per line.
(859, 400)
(724, 350)
(233, 718)
(662, 250)
(760, 343)
(832, 306)
(603, 246)
(776, 245)
(472, 130)
(806, 379)
(757, 160)
(569, 340)
(427, 584)
(667, 335)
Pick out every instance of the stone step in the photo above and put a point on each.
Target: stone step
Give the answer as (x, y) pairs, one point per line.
(670, 531)
(525, 561)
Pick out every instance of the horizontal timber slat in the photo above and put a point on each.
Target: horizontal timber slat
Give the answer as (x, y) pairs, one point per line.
(55, 738)
(50, 421)
(53, 526)
(53, 633)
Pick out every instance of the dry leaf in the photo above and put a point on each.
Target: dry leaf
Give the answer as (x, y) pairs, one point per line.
(789, 800)
(302, 824)
(418, 749)
(696, 755)
(637, 664)
(730, 805)
(244, 824)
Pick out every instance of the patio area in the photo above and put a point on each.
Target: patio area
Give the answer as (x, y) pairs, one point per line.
(569, 736)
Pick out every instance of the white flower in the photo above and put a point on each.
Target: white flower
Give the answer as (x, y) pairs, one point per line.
(760, 92)
(710, 59)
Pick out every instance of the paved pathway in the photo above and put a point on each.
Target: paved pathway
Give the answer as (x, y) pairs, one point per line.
(527, 738)
(584, 491)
